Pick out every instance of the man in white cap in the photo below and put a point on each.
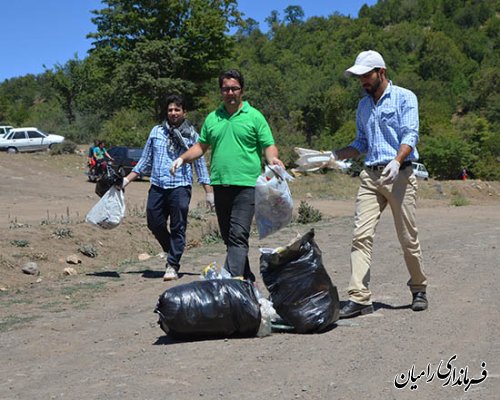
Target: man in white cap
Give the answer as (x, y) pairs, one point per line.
(387, 134)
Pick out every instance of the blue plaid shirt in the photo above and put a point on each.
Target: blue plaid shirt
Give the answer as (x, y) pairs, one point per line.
(158, 155)
(382, 127)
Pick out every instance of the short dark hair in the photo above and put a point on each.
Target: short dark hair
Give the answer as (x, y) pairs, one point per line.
(177, 99)
(232, 74)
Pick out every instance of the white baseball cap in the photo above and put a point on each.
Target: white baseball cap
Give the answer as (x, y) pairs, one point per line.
(365, 62)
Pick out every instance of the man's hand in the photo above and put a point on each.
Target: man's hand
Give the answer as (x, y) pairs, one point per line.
(176, 165)
(276, 161)
(390, 172)
(209, 197)
(125, 183)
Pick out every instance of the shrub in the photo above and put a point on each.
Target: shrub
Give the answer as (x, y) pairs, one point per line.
(61, 233)
(66, 147)
(212, 236)
(88, 250)
(20, 243)
(308, 214)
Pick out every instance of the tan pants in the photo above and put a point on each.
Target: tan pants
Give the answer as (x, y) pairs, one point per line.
(371, 201)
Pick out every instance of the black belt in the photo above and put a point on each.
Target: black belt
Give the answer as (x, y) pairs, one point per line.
(380, 167)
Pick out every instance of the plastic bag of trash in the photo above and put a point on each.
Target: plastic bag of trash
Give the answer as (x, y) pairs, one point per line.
(273, 201)
(313, 160)
(209, 308)
(110, 178)
(268, 314)
(300, 289)
(109, 211)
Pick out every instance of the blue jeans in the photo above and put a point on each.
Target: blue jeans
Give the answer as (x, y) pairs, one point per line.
(162, 205)
(235, 207)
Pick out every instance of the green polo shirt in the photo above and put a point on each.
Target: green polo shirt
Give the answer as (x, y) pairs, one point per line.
(237, 142)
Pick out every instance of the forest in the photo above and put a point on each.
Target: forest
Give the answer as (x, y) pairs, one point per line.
(446, 51)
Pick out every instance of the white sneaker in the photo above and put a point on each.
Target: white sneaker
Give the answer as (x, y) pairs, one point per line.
(170, 274)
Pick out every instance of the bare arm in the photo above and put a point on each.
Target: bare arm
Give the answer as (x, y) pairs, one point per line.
(196, 151)
(403, 152)
(208, 188)
(347, 152)
(132, 176)
(272, 156)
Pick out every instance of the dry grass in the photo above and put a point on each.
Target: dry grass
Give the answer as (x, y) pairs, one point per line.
(332, 185)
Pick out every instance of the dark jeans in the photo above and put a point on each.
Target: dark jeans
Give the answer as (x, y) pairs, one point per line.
(235, 206)
(162, 205)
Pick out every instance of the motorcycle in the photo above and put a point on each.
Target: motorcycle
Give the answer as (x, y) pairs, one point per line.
(97, 169)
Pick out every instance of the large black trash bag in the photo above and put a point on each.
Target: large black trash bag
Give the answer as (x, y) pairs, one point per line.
(108, 179)
(209, 308)
(300, 288)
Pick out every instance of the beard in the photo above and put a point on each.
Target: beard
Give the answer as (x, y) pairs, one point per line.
(372, 89)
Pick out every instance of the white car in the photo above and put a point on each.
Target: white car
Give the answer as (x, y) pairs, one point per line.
(28, 139)
(420, 171)
(4, 129)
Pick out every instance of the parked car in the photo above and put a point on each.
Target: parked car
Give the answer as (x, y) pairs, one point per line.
(28, 139)
(420, 171)
(4, 129)
(125, 158)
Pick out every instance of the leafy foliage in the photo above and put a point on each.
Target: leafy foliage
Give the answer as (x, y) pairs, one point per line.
(308, 214)
(446, 51)
(66, 147)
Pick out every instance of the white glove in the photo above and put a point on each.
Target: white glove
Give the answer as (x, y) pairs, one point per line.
(390, 172)
(125, 183)
(209, 197)
(176, 165)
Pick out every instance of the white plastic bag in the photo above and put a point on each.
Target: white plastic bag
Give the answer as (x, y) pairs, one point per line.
(273, 201)
(109, 211)
(313, 160)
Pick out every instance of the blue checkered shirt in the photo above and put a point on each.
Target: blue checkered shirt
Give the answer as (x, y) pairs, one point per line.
(382, 127)
(158, 155)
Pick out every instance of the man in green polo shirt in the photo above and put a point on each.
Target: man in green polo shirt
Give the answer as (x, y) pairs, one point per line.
(238, 135)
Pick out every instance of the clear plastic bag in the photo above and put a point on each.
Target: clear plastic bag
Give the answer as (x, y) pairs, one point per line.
(109, 211)
(273, 201)
(211, 272)
(313, 160)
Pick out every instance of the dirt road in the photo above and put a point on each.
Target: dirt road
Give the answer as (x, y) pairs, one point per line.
(95, 336)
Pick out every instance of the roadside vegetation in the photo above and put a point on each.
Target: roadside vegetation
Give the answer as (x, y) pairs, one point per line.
(446, 51)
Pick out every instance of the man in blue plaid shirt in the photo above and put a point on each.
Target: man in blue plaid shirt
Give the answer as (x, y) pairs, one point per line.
(387, 133)
(169, 195)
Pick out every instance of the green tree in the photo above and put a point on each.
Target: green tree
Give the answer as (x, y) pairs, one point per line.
(294, 14)
(445, 155)
(127, 127)
(67, 81)
(153, 47)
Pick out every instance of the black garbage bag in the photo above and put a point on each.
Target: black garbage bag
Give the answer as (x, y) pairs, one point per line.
(300, 289)
(209, 308)
(107, 180)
